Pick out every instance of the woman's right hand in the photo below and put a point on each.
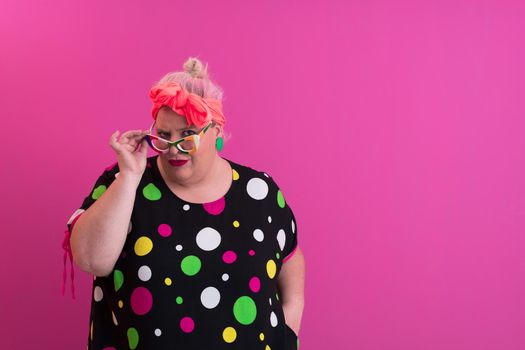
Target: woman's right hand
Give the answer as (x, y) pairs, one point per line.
(132, 151)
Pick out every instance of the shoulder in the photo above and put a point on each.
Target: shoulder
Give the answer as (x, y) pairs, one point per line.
(247, 170)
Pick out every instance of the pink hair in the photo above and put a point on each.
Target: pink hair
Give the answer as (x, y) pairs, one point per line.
(194, 80)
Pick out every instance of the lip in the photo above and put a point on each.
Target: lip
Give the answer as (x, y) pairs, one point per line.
(177, 162)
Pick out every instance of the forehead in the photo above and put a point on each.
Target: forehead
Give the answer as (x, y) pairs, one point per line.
(168, 120)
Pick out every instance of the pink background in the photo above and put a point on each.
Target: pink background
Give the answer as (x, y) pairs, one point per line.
(395, 128)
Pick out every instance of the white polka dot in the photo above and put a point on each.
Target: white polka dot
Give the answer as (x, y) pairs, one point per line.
(144, 273)
(225, 277)
(98, 294)
(258, 235)
(208, 239)
(210, 297)
(117, 174)
(186, 207)
(158, 332)
(270, 219)
(270, 301)
(266, 175)
(129, 227)
(114, 318)
(257, 188)
(281, 238)
(178, 247)
(273, 319)
(293, 226)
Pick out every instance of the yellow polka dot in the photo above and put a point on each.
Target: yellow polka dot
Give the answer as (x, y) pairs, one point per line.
(261, 336)
(143, 246)
(235, 174)
(267, 347)
(167, 280)
(236, 223)
(271, 268)
(91, 331)
(120, 304)
(229, 334)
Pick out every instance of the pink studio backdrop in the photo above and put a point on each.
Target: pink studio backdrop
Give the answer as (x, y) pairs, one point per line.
(395, 128)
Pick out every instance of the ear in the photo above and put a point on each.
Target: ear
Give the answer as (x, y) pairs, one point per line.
(217, 130)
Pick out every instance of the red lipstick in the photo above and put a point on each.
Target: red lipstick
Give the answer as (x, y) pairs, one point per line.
(174, 162)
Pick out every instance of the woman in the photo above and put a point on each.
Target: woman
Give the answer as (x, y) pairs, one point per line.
(189, 250)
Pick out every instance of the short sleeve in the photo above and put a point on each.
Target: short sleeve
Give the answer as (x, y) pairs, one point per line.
(290, 232)
(286, 222)
(101, 185)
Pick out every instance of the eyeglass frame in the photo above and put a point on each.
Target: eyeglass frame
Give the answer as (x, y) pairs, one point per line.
(195, 138)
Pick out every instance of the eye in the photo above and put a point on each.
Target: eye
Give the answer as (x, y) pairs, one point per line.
(190, 132)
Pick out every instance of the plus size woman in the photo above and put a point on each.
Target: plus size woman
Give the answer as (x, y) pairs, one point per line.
(188, 249)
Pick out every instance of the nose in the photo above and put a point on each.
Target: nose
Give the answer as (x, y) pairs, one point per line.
(173, 150)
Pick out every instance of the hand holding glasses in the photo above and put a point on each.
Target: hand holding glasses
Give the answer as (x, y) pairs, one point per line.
(131, 152)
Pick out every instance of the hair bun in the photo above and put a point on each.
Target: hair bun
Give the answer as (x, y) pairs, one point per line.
(193, 66)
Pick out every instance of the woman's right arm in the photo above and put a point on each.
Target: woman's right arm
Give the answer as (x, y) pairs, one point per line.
(99, 234)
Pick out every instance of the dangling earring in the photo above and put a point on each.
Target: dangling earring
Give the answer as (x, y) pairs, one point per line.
(219, 143)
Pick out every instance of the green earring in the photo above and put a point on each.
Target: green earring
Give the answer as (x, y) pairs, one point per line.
(219, 143)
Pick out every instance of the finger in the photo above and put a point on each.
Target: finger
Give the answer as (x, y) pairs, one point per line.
(135, 142)
(144, 147)
(113, 138)
(128, 136)
(132, 133)
(113, 141)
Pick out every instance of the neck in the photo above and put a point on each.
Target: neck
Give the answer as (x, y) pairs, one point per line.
(196, 181)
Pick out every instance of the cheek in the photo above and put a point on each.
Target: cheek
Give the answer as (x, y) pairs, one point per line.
(206, 146)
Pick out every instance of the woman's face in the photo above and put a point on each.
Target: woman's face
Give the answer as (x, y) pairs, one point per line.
(172, 126)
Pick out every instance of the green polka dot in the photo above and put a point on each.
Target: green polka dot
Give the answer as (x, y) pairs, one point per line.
(190, 265)
(179, 300)
(118, 279)
(97, 192)
(245, 310)
(280, 199)
(277, 255)
(133, 338)
(151, 192)
(298, 343)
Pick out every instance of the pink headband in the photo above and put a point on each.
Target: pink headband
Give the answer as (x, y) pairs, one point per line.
(197, 110)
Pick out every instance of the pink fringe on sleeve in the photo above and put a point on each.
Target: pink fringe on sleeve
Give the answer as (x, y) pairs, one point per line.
(66, 246)
(290, 255)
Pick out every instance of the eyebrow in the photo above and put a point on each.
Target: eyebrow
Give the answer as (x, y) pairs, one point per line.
(167, 132)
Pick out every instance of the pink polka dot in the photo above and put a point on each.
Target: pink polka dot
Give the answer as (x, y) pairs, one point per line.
(164, 230)
(215, 208)
(255, 284)
(187, 324)
(251, 252)
(141, 301)
(229, 257)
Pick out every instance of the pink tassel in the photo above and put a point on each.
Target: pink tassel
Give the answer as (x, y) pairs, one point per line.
(67, 251)
(66, 246)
